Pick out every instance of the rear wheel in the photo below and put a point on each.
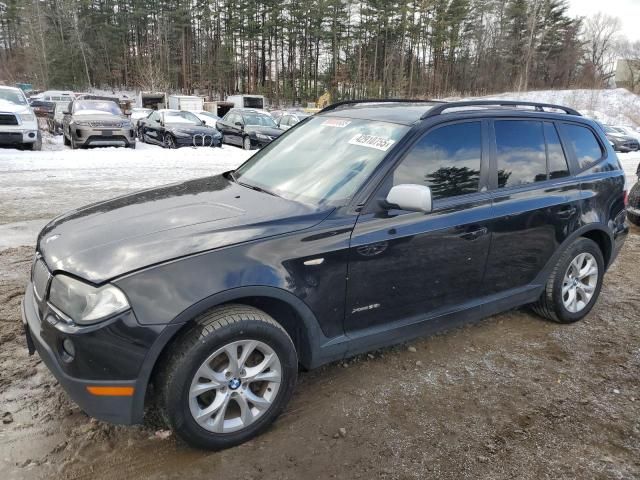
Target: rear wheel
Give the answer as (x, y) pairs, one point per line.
(227, 379)
(574, 284)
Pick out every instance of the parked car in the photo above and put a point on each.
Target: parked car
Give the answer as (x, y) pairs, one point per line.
(55, 119)
(208, 118)
(621, 142)
(627, 130)
(290, 119)
(177, 128)
(18, 122)
(137, 114)
(366, 225)
(97, 123)
(43, 108)
(633, 201)
(248, 128)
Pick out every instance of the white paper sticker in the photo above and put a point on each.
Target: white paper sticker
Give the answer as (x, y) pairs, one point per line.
(334, 122)
(371, 141)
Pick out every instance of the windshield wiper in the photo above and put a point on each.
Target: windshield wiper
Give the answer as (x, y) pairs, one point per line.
(256, 188)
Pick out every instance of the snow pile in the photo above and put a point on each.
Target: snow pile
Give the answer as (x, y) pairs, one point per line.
(612, 107)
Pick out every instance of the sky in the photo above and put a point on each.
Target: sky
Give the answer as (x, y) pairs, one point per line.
(627, 10)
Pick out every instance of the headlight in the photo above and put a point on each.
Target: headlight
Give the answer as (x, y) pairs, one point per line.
(81, 123)
(83, 303)
(126, 125)
(27, 117)
(263, 137)
(181, 133)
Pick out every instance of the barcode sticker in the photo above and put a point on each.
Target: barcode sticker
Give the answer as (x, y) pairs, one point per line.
(371, 141)
(334, 122)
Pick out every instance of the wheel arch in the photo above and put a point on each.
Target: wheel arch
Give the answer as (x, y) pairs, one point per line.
(288, 310)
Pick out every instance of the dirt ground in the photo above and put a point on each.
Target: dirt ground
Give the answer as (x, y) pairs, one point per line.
(511, 397)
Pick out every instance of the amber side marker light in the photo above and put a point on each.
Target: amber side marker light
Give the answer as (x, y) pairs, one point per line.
(110, 391)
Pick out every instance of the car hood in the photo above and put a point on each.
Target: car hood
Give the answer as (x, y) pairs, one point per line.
(191, 129)
(108, 239)
(271, 131)
(10, 107)
(97, 115)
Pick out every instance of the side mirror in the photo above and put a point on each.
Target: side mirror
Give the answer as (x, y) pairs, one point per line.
(66, 112)
(239, 124)
(414, 198)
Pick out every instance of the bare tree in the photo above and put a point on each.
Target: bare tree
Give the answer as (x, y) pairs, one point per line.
(600, 34)
(629, 53)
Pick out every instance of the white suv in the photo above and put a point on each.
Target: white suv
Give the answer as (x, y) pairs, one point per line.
(18, 123)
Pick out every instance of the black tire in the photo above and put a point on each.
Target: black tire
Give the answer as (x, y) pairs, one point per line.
(214, 330)
(132, 144)
(551, 305)
(141, 135)
(634, 202)
(65, 140)
(633, 218)
(74, 145)
(246, 143)
(168, 141)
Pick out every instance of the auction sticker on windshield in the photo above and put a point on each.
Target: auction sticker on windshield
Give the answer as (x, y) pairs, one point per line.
(371, 141)
(334, 122)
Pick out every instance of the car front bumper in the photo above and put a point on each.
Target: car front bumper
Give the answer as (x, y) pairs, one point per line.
(108, 355)
(105, 136)
(18, 135)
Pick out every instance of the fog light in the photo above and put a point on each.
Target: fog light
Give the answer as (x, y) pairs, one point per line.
(32, 135)
(68, 349)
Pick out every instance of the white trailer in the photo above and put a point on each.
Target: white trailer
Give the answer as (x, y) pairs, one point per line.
(154, 100)
(247, 101)
(186, 102)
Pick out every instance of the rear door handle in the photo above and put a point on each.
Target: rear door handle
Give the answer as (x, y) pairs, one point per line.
(474, 234)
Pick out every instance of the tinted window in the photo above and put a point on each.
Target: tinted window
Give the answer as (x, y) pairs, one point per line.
(587, 148)
(556, 159)
(447, 160)
(522, 156)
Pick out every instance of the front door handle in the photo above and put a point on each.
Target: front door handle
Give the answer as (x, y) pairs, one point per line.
(474, 234)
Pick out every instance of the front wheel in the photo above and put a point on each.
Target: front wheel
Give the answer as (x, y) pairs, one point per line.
(246, 143)
(228, 378)
(574, 285)
(169, 141)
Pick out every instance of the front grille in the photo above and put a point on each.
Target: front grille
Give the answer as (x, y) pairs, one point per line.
(10, 138)
(8, 119)
(105, 123)
(40, 277)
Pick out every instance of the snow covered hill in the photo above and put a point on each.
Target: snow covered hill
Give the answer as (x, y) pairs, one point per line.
(615, 107)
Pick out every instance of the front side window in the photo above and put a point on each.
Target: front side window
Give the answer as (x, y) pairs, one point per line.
(521, 152)
(324, 161)
(446, 159)
(584, 143)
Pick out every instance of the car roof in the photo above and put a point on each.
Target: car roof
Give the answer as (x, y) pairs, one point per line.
(409, 112)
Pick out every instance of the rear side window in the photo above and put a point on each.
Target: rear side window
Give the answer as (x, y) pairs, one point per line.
(446, 159)
(557, 161)
(521, 152)
(587, 148)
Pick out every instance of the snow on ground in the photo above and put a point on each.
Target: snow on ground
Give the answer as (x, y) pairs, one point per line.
(37, 186)
(613, 107)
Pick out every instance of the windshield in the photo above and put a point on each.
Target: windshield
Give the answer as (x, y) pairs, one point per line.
(12, 96)
(181, 117)
(323, 161)
(210, 115)
(96, 106)
(259, 120)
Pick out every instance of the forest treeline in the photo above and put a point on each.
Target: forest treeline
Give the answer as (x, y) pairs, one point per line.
(295, 50)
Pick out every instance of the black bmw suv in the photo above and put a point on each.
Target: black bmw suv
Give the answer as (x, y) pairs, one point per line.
(366, 225)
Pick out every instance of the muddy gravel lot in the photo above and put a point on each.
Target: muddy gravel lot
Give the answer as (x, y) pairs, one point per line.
(513, 396)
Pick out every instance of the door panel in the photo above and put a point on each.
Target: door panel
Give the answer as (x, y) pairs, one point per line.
(414, 263)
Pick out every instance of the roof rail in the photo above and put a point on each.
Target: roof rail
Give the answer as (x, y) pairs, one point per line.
(333, 106)
(498, 103)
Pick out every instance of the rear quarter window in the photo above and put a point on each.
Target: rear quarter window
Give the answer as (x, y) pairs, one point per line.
(584, 143)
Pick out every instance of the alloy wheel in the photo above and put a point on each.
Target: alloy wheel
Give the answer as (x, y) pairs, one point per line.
(580, 282)
(235, 386)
